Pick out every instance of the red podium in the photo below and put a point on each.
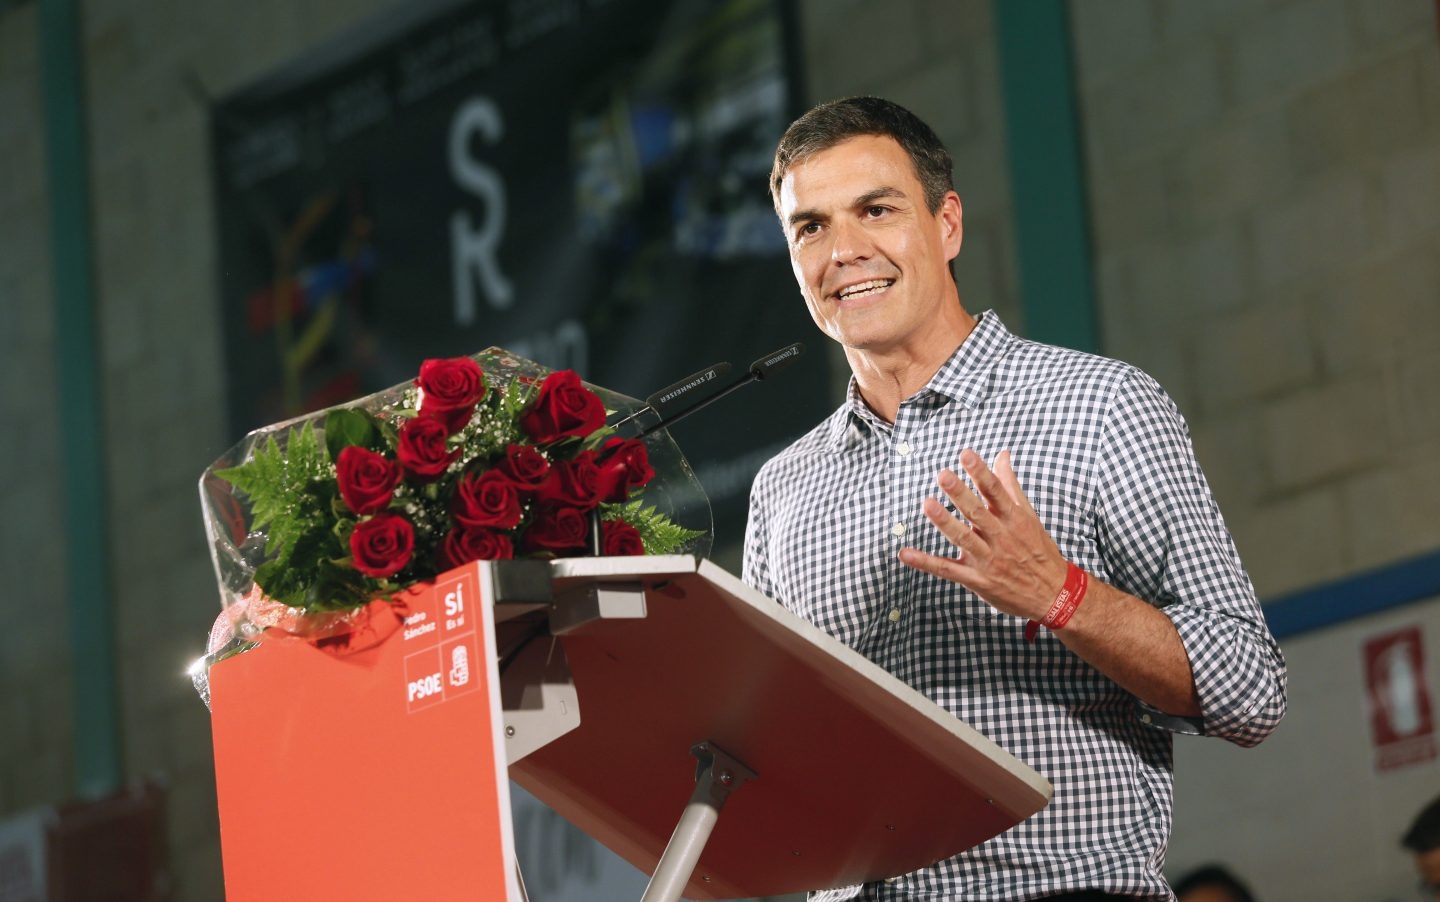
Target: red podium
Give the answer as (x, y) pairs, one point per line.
(376, 775)
(641, 698)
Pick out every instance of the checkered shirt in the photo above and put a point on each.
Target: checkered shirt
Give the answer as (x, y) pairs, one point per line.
(1105, 458)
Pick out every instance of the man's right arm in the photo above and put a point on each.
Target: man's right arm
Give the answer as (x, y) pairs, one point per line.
(1165, 542)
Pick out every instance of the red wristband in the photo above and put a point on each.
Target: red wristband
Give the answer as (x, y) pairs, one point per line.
(1065, 603)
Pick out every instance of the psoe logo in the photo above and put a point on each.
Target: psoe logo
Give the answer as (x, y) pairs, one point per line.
(459, 666)
(425, 687)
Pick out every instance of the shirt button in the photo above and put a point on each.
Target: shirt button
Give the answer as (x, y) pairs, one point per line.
(898, 529)
(903, 449)
(895, 615)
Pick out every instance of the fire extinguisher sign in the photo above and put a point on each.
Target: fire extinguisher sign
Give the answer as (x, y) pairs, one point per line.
(1402, 722)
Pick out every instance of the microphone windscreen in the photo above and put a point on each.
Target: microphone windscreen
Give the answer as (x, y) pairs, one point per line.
(776, 360)
(689, 390)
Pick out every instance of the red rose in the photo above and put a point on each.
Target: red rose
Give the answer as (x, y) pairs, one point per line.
(563, 408)
(463, 545)
(618, 537)
(572, 483)
(452, 420)
(525, 466)
(624, 466)
(557, 529)
(422, 449)
(486, 499)
(454, 384)
(367, 480)
(381, 545)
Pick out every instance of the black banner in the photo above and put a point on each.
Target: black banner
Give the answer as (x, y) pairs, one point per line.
(582, 182)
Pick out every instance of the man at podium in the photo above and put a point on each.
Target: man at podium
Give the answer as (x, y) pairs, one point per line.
(1019, 531)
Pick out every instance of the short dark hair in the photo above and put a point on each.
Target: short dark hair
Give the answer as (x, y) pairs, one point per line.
(839, 120)
(1424, 832)
(1214, 875)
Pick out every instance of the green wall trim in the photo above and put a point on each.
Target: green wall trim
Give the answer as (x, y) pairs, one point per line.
(98, 768)
(1052, 241)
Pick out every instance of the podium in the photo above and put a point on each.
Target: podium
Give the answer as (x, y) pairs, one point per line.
(691, 725)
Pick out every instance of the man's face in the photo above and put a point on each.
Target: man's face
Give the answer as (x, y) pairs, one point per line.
(1428, 864)
(871, 259)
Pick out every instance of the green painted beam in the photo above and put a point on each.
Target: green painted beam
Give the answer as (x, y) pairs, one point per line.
(1057, 290)
(98, 768)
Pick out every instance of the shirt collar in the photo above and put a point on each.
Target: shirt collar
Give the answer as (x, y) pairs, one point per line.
(964, 377)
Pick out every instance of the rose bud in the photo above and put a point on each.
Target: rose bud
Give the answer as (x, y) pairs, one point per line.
(454, 384)
(620, 538)
(561, 530)
(563, 408)
(624, 466)
(463, 545)
(486, 499)
(422, 447)
(381, 546)
(572, 483)
(366, 480)
(525, 466)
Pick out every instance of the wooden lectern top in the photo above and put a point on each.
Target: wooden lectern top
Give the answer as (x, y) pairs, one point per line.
(859, 777)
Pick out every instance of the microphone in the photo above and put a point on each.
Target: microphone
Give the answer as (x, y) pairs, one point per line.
(673, 397)
(776, 361)
(760, 370)
(687, 391)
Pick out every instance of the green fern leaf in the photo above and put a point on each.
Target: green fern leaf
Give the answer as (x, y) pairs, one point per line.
(290, 489)
(658, 533)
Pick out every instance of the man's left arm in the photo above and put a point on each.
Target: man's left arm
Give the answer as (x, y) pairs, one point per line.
(1207, 653)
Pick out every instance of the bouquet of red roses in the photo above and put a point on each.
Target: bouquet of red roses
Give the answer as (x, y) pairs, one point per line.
(480, 458)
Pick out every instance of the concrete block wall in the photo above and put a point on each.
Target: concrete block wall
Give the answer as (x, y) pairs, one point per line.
(1265, 181)
(35, 721)
(148, 70)
(151, 69)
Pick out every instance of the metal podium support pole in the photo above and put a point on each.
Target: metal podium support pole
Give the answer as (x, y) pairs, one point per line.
(717, 774)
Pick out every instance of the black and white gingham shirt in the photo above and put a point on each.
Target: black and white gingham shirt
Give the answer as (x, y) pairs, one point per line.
(1105, 458)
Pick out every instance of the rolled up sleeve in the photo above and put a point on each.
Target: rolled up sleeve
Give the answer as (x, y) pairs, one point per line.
(1163, 539)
